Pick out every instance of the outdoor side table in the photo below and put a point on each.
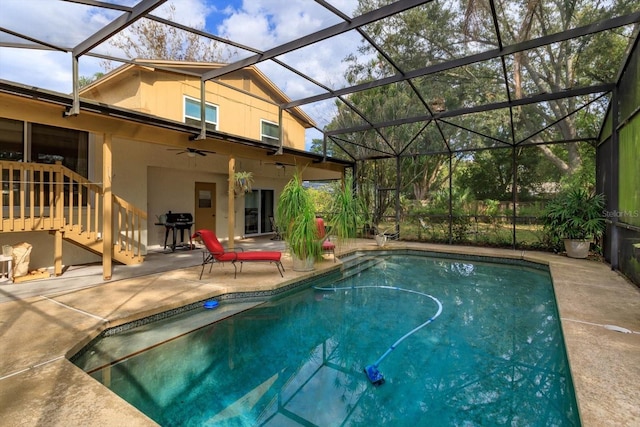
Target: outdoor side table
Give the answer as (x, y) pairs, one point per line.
(6, 263)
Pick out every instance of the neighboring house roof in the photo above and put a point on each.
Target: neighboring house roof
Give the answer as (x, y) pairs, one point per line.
(197, 69)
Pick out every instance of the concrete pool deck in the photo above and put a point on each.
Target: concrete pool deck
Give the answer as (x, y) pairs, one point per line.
(43, 323)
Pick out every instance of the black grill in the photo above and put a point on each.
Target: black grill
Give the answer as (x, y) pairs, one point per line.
(174, 222)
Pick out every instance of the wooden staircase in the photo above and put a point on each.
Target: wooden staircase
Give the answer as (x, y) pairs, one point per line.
(51, 197)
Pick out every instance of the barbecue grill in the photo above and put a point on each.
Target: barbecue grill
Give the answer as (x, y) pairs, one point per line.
(175, 222)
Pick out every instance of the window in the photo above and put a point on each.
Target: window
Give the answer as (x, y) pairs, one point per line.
(270, 132)
(51, 144)
(192, 113)
(45, 144)
(11, 140)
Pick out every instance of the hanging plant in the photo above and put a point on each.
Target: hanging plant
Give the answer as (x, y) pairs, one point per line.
(242, 182)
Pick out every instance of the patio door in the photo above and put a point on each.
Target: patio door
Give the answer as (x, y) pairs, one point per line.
(205, 209)
(258, 207)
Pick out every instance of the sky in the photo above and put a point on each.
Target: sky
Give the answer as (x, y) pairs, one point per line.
(261, 24)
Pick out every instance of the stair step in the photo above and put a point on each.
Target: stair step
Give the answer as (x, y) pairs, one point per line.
(357, 264)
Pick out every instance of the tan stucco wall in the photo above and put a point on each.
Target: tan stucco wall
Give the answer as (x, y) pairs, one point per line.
(158, 180)
(121, 90)
(161, 93)
(42, 249)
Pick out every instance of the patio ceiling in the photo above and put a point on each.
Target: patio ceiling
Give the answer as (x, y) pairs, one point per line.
(417, 112)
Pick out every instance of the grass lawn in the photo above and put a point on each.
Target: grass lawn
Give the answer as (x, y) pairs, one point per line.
(478, 233)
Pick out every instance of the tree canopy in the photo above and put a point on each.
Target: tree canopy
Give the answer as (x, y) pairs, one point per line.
(555, 131)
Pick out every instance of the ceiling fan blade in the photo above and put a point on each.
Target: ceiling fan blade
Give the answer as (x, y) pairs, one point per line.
(200, 152)
(278, 164)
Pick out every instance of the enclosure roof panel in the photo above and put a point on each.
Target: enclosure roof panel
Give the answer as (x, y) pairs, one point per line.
(439, 74)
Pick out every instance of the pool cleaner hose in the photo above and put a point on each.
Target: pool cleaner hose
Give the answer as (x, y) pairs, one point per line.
(373, 374)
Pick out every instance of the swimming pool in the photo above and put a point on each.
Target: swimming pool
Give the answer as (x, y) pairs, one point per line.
(493, 356)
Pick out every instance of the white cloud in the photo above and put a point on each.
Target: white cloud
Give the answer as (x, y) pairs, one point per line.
(41, 69)
(58, 23)
(264, 24)
(192, 13)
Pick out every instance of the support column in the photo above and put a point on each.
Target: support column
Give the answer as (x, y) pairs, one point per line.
(231, 215)
(398, 175)
(60, 220)
(450, 198)
(57, 253)
(514, 193)
(107, 207)
(614, 179)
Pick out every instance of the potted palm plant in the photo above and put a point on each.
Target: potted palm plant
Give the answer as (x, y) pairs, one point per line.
(296, 217)
(577, 218)
(346, 213)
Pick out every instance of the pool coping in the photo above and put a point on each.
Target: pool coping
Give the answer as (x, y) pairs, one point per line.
(37, 382)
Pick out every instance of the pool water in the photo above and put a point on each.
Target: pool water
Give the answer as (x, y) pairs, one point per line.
(494, 356)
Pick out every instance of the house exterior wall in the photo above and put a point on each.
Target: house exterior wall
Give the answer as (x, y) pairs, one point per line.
(161, 93)
(121, 90)
(144, 171)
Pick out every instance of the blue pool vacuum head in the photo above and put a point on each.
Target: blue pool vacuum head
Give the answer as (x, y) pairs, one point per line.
(374, 375)
(211, 304)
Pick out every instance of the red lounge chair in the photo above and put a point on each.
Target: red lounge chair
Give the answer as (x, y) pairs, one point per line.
(327, 245)
(216, 253)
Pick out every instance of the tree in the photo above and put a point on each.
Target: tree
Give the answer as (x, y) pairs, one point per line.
(434, 32)
(574, 63)
(148, 39)
(85, 81)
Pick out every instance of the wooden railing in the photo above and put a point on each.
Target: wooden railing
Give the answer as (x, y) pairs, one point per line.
(129, 222)
(39, 197)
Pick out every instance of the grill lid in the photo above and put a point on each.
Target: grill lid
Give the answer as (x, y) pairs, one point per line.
(179, 218)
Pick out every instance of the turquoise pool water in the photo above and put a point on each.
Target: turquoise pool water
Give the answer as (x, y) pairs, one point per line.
(494, 356)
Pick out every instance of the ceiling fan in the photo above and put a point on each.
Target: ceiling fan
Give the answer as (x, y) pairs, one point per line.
(279, 165)
(191, 152)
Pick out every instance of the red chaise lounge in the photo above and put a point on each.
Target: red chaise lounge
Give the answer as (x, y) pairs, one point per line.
(216, 253)
(327, 245)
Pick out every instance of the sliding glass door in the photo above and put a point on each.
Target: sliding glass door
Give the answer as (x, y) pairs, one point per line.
(258, 208)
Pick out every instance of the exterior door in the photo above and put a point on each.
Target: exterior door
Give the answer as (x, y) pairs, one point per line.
(205, 209)
(258, 207)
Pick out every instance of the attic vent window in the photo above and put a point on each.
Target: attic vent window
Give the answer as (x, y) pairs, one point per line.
(192, 113)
